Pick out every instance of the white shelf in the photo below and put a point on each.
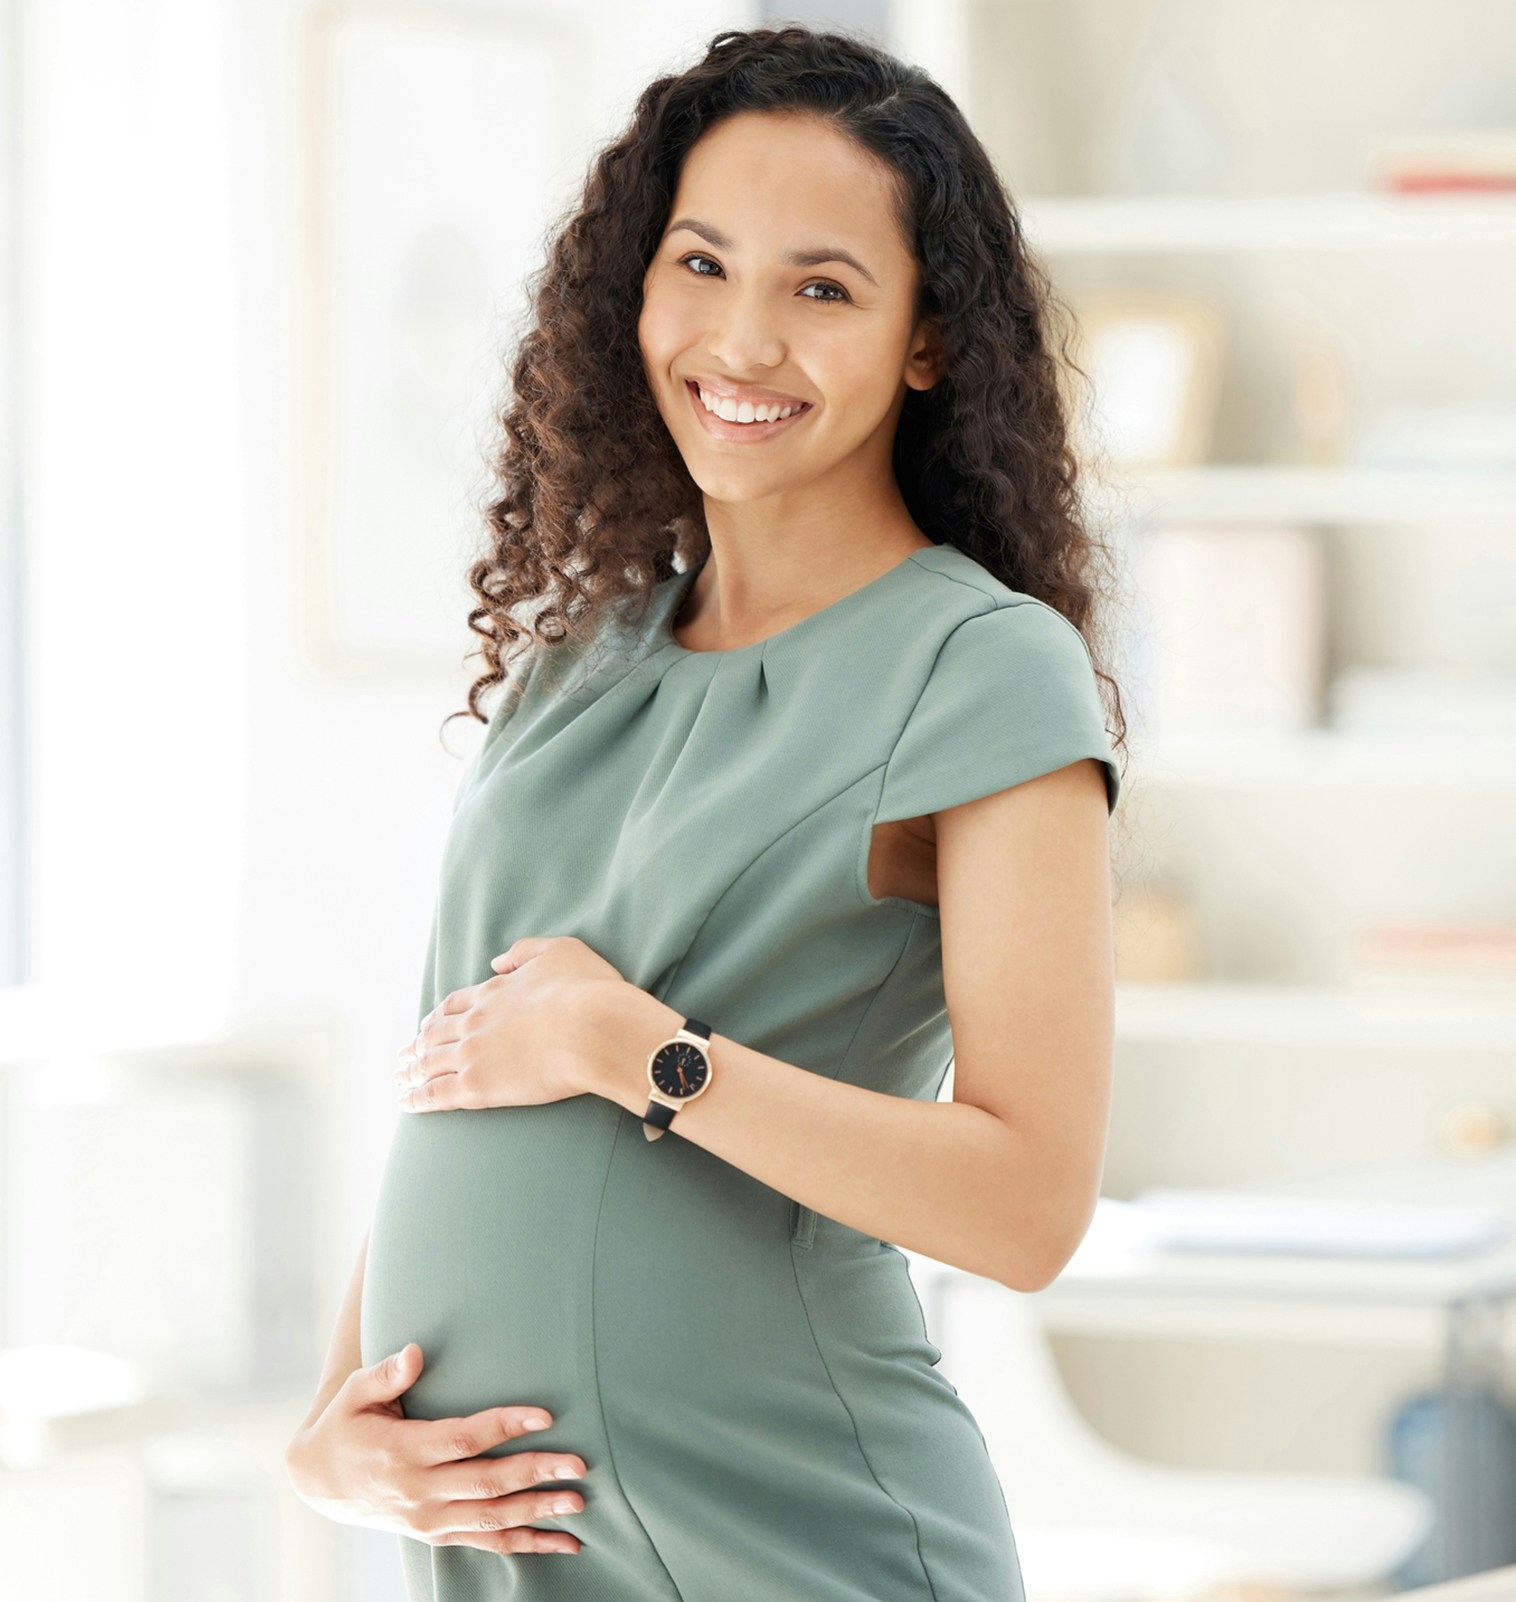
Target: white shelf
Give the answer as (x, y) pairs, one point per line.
(1317, 1015)
(1244, 494)
(1325, 757)
(1348, 220)
(42, 1023)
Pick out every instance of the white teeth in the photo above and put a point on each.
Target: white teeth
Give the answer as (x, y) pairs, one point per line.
(744, 411)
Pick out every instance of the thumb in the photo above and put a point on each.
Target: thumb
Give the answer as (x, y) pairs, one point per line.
(395, 1373)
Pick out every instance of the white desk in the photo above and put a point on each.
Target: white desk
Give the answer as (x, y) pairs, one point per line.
(1112, 1285)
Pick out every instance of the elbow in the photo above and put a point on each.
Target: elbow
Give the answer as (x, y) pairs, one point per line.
(1023, 1280)
(1035, 1270)
(1028, 1272)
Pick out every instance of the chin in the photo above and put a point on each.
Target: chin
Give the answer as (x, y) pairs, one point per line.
(737, 489)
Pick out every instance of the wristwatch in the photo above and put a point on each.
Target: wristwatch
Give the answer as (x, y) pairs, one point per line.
(677, 1072)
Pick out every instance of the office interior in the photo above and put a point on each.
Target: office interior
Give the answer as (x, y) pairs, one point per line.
(257, 273)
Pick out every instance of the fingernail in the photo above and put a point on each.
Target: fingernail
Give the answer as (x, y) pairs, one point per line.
(534, 1423)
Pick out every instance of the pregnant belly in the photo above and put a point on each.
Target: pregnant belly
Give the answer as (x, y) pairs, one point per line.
(649, 1295)
(550, 1255)
(481, 1251)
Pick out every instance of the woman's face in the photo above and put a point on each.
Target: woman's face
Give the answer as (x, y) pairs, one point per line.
(724, 304)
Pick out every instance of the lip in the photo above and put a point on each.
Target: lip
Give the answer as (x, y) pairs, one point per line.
(742, 433)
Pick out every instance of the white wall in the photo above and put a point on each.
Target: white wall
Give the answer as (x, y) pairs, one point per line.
(221, 833)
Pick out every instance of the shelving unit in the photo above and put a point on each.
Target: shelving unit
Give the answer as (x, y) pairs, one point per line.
(1265, 1063)
(1116, 239)
(1394, 1019)
(1343, 220)
(1323, 758)
(1328, 495)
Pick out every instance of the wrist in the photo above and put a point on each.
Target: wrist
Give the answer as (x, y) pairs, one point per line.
(631, 1025)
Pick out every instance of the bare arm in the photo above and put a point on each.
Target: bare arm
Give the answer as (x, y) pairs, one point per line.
(1001, 1181)
(344, 1355)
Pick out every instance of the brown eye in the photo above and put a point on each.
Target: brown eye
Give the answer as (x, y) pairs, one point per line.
(820, 284)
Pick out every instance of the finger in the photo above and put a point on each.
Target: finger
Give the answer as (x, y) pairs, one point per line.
(438, 1032)
(498, 1513)
(441, 1057)
(453, 1001)
(524, 1540)
(448, 1058)
(521, 952)
(491, 1477)
(386, 1379)
(458, 1001)
(444, 1021)
(440, 1093)
(447, 1439)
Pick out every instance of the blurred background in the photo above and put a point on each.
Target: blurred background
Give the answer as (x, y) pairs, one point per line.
(261, 270)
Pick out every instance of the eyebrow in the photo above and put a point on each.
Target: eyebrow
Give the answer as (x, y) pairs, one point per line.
(814, 257)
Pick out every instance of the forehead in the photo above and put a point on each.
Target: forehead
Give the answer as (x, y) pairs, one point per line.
(769, 181)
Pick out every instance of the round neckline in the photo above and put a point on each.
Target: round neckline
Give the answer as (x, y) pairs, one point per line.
(681, 584)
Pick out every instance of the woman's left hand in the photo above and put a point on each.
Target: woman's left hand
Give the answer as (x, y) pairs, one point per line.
(517, 1040)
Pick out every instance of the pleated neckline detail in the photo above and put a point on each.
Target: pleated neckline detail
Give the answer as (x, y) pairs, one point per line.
(661, 638)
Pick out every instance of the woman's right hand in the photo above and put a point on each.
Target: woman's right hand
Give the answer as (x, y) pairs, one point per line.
(362, 1461)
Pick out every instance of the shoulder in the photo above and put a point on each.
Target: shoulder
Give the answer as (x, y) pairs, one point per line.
(996, 687)
(974, 613)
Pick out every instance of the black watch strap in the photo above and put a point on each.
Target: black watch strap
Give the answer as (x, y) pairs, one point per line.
(659, 1115)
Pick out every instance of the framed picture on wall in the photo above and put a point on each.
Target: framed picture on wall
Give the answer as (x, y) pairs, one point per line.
(1154, 367)
(434, 143)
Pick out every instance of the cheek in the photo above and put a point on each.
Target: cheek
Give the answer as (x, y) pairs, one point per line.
(864, 377)
(660, 328)
(645, 333)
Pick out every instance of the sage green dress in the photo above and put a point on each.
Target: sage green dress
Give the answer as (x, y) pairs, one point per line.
(750, 1384)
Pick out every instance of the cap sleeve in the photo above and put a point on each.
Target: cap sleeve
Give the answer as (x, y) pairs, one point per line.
(1011, 695)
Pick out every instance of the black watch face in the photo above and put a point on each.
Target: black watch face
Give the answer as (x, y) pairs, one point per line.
(680, 1069)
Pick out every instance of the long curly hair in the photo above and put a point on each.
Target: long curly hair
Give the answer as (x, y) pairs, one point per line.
(593, 503)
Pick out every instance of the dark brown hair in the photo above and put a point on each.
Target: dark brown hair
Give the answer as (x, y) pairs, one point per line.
(594, 501)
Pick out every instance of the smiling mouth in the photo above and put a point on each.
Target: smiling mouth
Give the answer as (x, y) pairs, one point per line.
(723, 429)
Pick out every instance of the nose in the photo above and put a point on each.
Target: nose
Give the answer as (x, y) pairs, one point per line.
(745, 339)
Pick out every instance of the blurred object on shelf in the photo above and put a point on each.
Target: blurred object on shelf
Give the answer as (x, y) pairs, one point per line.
(1212, 1219)
(1474, 956)
(54, 1397)
(1154, 936)
(1320, 392)
(1153, 364)
(1472, 1128)
(1235, 627)
(1424, 700)
(1451, 161)
(1417, 1441)
(1472, 436)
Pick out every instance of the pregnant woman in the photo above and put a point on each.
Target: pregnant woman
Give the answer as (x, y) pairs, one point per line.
(797, 789)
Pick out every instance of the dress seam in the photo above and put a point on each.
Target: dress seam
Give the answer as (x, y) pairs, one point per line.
(605, 1426)
(748, 867)
(905, 722)
(879, 990)
(853, 1422)
(1021, 600)
(800, 1289)
(996, 605)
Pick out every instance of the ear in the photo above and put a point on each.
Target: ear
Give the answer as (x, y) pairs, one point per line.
(926, 365)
